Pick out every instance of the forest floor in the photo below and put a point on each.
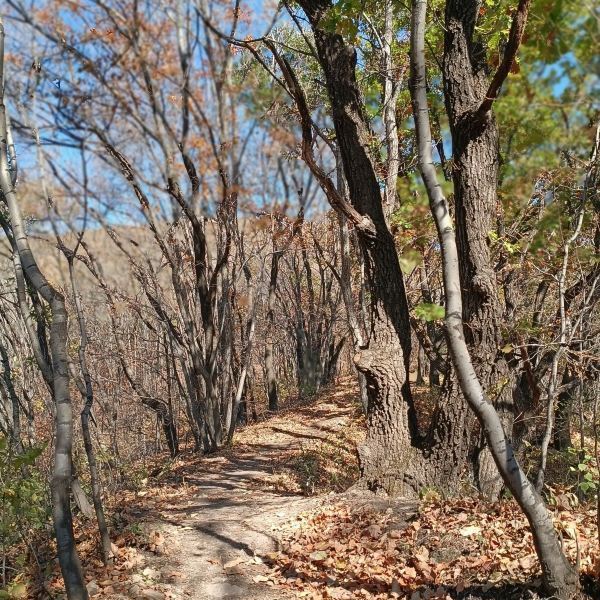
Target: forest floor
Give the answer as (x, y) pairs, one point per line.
(268, 518)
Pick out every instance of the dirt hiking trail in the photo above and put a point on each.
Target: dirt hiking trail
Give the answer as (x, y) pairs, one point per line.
(219, 515)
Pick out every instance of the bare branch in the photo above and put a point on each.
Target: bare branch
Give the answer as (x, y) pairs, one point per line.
(510, 53)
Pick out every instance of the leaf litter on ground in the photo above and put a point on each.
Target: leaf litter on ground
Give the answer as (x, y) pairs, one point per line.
(443, 548)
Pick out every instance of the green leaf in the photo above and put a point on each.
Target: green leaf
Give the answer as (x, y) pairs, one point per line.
(17, 590)
(429, 312)
(28, 458)
(587, 486)
(409, 260)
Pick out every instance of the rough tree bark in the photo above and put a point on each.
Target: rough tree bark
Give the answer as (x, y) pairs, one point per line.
(395, 457)
(560, 578)
(386, 455)
(475, 175)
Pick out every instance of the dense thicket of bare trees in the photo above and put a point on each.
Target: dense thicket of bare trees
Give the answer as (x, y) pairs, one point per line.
(212, 213)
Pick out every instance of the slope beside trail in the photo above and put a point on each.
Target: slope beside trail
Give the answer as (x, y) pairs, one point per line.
(209, 520)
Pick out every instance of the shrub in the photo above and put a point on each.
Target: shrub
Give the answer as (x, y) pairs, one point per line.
(23, 509)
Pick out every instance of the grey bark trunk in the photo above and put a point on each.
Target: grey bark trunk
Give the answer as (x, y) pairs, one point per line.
(61, 475)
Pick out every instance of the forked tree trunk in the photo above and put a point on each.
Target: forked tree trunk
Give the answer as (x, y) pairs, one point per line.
(395, 457)
(475, 175)
(560, 578)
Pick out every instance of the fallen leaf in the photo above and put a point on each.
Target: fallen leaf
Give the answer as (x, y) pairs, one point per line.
(470, 530)
(318, 556)
(233, 563)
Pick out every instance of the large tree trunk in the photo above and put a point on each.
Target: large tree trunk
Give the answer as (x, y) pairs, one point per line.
(386, 457)
(475, 175)
(395, 457)
(560, 579)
